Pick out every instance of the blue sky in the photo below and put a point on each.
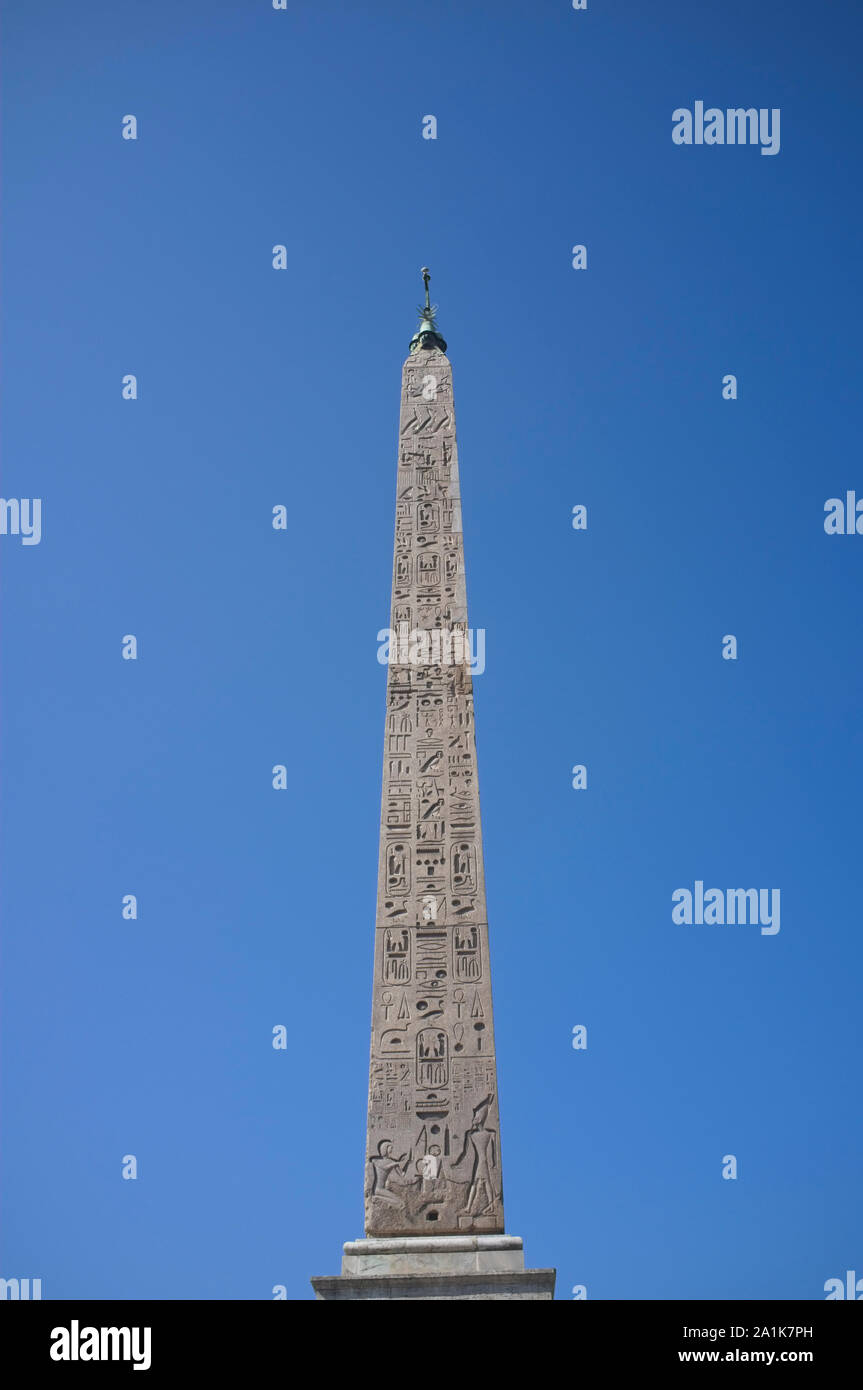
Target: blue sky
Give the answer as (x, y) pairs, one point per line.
(259, 387)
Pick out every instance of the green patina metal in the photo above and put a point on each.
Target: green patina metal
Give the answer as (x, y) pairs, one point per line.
(427, 335)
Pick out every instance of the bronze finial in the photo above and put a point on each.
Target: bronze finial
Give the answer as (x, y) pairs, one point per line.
(427, 335)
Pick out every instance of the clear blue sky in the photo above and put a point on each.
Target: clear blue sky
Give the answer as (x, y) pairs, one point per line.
(257, 647)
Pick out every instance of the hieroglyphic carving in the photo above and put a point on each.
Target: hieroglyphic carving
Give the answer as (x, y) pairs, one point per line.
(396, 960)
(433, 1136)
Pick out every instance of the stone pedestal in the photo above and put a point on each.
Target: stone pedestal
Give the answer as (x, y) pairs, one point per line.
(435, 1268)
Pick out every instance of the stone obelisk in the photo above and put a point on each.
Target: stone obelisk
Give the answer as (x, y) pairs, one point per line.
(433, 1189)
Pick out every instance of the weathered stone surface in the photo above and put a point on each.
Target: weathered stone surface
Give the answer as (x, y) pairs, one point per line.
(439, 1255)
(433, 1155)
(532, 1284)
(433, 1191)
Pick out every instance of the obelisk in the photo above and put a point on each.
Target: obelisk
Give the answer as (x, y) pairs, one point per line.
(433, 1185)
